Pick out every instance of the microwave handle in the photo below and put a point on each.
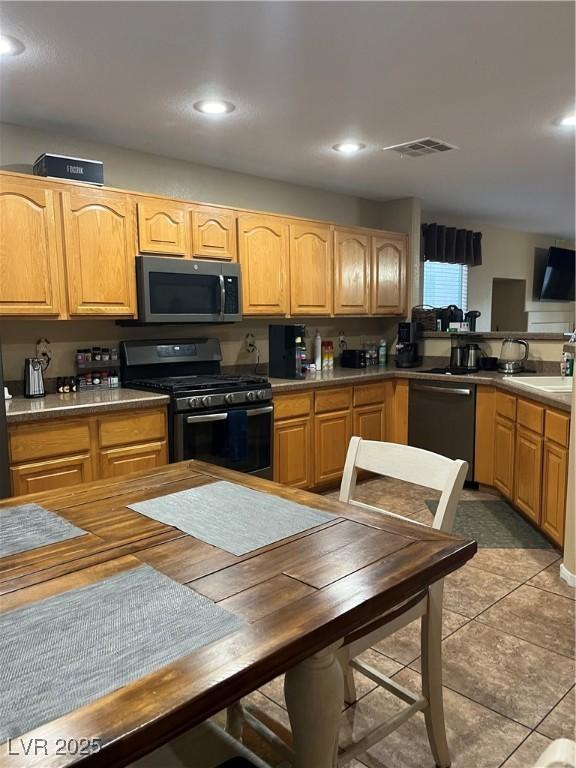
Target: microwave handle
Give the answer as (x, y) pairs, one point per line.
(222, 296)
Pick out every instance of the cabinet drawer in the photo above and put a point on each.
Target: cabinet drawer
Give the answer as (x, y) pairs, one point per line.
(40, 476)
(369, 394)
(43, 441)
(530, 415)
(506, 405)
(290, 406)
(557, 427)
(132, 428)
(333, 400)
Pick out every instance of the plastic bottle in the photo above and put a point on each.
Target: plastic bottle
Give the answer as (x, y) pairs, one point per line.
(318, 350)
(382, 352)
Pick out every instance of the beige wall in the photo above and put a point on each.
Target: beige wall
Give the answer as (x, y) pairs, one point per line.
(142, 172)
(507, 254)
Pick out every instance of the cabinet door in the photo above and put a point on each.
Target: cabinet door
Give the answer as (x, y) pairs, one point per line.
(388, 277)
(504, 434)
(293, 452)
(332, 432)
(30, 255)
(99, 251)
(555, 478)
(214, 233)
(162, 227)
(369, 422)
(263, 247)
(351, 273)
(50, 474)
(132, 458)
(528, 473)
(311, 283)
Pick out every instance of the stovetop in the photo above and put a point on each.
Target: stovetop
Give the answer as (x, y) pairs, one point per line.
(214, 383)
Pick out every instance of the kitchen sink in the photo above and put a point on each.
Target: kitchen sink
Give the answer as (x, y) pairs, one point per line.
(562, 384)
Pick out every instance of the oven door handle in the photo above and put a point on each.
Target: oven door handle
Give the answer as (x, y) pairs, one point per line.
(260, 411)
(222, 296)
(206, 418)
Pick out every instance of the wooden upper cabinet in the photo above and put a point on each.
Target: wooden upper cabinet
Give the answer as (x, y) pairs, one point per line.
(30, 254)
(388, 295)
(263, 250)
(162, 227)
(99, 250)
(311, 284)
(351, 272)
(214, 233)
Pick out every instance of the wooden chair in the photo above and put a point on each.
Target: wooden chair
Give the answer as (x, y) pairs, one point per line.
(560, 754)
(430, 470)
(206, 746)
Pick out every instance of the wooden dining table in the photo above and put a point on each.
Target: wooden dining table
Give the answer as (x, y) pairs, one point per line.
(297, 598)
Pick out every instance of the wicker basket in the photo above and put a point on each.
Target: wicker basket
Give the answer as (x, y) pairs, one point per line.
(425, 316)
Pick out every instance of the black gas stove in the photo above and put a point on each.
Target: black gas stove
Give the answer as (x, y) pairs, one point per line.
(219, 418)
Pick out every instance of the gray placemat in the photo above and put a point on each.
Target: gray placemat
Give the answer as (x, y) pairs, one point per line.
(28, 526)
(66, 651)
(232, 517)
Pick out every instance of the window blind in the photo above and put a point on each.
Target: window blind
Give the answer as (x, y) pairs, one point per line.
(445, 284)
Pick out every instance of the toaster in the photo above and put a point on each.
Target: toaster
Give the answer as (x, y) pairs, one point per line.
(353, 358)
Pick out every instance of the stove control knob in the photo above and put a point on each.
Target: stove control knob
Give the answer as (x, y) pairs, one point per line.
(251, 396)
(206, 401)
(262, 394)
(230, 397)
(194, 402)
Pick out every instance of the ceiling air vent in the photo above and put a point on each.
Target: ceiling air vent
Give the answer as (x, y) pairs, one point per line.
(420, 147)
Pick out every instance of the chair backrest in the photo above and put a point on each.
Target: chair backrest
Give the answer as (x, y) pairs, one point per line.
(412, 465)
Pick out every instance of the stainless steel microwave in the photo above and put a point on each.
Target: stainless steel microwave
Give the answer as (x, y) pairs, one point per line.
(173, 290)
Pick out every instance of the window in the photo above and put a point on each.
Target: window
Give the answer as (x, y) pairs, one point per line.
(445, 284)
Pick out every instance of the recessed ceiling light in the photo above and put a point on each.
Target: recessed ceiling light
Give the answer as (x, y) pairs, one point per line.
(569, 120)
(9, 46)
(348, 147)
(214, 107)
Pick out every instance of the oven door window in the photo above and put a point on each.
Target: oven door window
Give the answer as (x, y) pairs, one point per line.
(205, 437)
(183, 294)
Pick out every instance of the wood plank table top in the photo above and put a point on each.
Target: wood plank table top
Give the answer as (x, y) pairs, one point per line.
(296, 596)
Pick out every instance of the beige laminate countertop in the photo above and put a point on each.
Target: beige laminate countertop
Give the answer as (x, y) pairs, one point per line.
(342, 376)
(20, 409)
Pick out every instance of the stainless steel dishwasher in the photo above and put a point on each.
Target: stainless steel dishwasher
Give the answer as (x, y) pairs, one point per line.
(441, 418)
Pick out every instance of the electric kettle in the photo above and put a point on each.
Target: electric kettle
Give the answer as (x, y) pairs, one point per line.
(33, 378)
(512, 355)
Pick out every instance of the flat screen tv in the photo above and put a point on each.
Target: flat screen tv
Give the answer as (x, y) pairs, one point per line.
(558, 281)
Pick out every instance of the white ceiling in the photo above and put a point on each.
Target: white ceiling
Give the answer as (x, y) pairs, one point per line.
(490, 77)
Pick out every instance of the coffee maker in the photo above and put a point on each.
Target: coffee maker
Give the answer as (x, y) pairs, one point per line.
(286, 350)
(407, 347)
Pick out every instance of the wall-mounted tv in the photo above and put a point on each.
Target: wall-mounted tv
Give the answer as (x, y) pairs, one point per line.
(558, 281)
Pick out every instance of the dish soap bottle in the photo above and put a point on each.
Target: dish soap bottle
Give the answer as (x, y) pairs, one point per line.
(382, 352)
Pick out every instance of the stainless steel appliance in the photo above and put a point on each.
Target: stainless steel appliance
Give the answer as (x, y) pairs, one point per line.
(286, 351)
(473, 355)
(407, 355)
(33, 378)
(172, 290)
(441, 419)
(458, 356)
(221, 419)
(512, 355)
(4, 466)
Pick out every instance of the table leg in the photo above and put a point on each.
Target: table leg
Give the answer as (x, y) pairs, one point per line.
(314, 693)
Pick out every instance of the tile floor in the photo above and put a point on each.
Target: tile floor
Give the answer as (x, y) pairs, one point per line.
(508, 660)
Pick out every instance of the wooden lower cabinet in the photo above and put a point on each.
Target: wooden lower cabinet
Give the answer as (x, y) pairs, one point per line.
(554, 481)
(133, 458)
(369, 422)
(293, 463)
(504, 445)
(528, 472)
(50, 474)
(332, 433)
(58, 453)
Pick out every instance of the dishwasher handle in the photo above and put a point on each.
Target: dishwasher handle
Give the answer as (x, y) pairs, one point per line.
(459, 391)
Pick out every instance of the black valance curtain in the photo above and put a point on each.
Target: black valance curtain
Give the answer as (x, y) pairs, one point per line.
(451, 246)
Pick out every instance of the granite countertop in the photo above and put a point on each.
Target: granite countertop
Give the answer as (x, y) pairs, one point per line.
(20, 409)
(342, 376)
